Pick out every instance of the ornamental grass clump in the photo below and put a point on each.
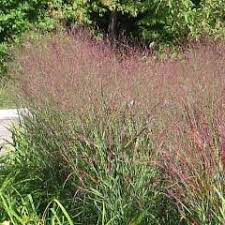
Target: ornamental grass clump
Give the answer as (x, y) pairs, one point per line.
(123, 139)
(193, 159)
(194, 167)
(86, 139)
(100, 166)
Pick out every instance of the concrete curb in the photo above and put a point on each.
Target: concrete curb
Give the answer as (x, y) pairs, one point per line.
(8, 114)
(8, 117)
(11, 114)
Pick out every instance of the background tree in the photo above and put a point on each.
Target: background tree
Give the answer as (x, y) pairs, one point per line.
(150, 20)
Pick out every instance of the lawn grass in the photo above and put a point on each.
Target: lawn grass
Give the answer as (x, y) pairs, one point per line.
(6, 100)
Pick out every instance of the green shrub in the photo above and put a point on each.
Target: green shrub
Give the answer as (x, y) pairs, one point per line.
(3, 58)
(17, 17)
(211, 20)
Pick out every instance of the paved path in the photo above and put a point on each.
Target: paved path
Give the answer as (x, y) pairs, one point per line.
(7, 118)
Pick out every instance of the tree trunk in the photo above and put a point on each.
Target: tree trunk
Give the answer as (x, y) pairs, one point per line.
(112, 28)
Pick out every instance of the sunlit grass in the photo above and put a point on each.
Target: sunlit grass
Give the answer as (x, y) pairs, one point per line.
(6, 100)
(119, 141)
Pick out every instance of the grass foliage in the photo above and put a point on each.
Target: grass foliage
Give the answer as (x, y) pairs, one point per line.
(6, 100)
(114, 139)
(157, 23)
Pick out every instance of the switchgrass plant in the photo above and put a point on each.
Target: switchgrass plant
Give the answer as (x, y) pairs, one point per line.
(124, 139)
(100, 165)
(194, 165)
(21, 200)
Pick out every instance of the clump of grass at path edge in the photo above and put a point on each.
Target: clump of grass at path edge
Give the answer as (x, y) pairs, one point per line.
(121, 141)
